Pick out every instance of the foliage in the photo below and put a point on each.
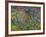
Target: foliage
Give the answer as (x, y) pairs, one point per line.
(25, 18)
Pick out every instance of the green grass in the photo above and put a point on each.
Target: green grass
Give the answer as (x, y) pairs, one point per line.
(15, 27)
